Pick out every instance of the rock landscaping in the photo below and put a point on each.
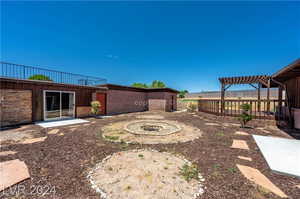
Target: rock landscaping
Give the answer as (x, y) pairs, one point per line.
(69, 160)
(145, 174)
(159, 131)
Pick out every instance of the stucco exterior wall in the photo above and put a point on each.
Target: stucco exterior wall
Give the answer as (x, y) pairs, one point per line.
(83, 111)
(157, 104)
(164, 101)
(171, 101)
(122, 101)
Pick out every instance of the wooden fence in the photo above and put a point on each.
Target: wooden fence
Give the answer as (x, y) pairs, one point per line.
(259, 110)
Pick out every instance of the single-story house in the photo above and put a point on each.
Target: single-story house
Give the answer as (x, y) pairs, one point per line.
(25, 101)
(288, 79)
(124, 99)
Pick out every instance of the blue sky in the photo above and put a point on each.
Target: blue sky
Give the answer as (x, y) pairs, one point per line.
(188, 45)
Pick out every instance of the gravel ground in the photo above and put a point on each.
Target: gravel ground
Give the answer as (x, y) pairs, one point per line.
(59, 165)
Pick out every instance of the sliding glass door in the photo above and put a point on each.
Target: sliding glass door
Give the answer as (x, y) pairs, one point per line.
(58, 105)
(52, 103)
(67, 105)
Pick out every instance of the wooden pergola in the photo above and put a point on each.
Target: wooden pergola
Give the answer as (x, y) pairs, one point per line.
(256, 82)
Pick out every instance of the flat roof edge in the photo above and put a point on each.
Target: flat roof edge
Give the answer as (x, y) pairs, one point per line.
(47, 82)
(121, 87)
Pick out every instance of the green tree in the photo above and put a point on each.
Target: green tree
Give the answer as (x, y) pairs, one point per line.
(139, 85)
(182, 93)
(40, 77)
(158, 84)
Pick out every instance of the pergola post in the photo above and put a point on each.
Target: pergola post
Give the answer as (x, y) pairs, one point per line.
(258, 98)
(280, 89)
(223, 99)
(279, 108)
(268, 97)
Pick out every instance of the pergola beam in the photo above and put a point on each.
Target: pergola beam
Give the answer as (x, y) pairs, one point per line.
(245, 79)
(227, 87)
(253, 86)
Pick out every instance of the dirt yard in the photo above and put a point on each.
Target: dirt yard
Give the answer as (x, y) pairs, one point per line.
(59, 165)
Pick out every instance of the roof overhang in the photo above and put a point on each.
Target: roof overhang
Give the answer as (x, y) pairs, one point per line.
(130, 88)
(290, 71)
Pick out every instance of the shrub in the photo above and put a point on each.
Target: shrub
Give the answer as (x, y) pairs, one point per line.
(232, 170)
(189, 172)
(96, 107)
(192, 106)
(141, 156)
(245, 117)
(111, 137)
(40, 77)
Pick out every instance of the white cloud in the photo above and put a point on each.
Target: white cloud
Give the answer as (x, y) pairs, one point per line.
(110, 56)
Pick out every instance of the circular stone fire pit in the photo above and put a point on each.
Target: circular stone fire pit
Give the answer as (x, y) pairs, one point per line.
(150, 132)
(144, 174)
(151, 127)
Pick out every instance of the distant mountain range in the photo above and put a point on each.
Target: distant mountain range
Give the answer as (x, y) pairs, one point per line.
(235, 94)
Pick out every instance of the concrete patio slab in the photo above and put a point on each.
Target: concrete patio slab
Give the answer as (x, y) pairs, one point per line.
(34, 140)
(282, 155)
(12, 172)
(5, 153)
(61, 123)
(241, 133)
(258, 178)
(240, 144)
(245, 158)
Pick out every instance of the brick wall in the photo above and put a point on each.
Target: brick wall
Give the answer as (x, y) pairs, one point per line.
(83, 111)
(15, 106)
(122, 101)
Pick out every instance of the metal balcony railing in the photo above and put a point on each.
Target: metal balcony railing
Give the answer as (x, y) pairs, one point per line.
(17, 71)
